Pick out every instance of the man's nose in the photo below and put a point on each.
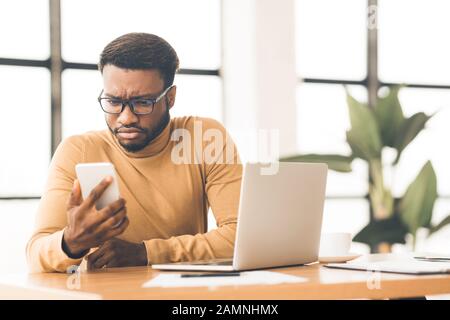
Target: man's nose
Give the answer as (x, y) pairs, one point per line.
(127, 116)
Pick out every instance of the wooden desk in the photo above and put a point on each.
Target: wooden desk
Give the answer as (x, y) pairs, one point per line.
(323, 283)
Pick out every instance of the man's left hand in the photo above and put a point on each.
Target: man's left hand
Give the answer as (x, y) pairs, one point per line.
(118, 253)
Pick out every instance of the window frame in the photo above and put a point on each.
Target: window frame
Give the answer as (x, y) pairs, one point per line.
(56, 65)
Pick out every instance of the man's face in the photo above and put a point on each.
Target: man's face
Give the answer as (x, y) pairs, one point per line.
(135, 132)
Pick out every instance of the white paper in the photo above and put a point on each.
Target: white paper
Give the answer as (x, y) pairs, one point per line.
(168, 280)
(401, 263)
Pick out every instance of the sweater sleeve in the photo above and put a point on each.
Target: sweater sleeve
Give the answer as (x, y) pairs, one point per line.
(222, 183)
(44, 249)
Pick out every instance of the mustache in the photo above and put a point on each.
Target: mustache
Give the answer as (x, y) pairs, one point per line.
(116, 130)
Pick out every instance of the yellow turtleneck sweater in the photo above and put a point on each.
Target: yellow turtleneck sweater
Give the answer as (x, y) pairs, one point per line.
(167, 203)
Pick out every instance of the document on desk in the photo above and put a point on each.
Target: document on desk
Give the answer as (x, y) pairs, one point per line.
(168, 280)
(403, 265)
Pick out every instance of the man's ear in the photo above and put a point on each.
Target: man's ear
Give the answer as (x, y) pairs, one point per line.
(171, 96)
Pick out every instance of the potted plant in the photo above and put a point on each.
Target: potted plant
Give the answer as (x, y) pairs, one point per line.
(372, 130)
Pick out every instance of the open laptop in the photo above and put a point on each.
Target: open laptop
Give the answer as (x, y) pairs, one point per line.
(279, 219)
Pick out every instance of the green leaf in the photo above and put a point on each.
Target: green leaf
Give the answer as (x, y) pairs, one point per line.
(389, 115)
(364, 136)
(358, 149)
(390, 230)
(334, 161)
(410, 129)
(439, 226)
(416, 206)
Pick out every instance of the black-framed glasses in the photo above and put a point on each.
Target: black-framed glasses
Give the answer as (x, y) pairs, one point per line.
(138, 106)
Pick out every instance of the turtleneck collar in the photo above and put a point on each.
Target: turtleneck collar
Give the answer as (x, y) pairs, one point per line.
(153, 148)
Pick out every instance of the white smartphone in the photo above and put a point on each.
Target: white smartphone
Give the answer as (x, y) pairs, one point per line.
(91, 174)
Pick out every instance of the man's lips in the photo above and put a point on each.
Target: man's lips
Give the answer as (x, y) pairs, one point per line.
(129, 133)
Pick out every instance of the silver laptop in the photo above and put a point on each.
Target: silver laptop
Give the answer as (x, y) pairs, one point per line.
(279, 219)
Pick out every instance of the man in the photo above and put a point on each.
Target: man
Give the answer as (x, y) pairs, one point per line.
(162, 215)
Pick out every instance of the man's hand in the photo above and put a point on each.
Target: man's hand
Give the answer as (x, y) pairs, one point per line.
(118, 253)
(88, 228)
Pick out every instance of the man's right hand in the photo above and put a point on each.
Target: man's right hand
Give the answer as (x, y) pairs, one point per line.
(88, 228)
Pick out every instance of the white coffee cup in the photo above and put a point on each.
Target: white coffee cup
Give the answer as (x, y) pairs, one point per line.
(335, 244)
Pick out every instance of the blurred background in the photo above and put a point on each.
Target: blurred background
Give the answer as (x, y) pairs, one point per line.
(251, 64)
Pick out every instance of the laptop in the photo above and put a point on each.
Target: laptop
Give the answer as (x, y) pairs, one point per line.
(279, 219)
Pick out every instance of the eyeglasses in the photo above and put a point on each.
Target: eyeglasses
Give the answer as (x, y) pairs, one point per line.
(138, 106)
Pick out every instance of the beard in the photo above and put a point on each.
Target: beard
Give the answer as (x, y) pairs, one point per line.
(150, 134)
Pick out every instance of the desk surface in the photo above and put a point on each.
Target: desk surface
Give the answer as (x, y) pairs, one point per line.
(323, 283)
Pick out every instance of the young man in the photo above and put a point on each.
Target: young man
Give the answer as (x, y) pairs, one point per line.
(162, 215)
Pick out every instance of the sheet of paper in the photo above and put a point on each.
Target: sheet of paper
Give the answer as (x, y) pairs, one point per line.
(399, 263)
(168, 280)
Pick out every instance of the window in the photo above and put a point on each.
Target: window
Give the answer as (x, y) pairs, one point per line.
(191, 27)
(412, 41)
(198, 95)
(332, 48)
(331, 39)
(80, 109)
(322, 114)
(430, 144)
(25, 130)
(29, 20)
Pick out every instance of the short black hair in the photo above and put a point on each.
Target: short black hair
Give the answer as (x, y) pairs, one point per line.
(141, 51)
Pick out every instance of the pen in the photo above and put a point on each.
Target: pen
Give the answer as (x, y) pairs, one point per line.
(195, 275)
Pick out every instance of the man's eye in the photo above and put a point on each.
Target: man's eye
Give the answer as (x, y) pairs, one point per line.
(114, 102)
(144, 103)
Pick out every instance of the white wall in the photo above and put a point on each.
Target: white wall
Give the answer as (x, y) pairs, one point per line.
(259, 72)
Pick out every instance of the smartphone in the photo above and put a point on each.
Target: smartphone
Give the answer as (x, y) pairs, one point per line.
(91, 174)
